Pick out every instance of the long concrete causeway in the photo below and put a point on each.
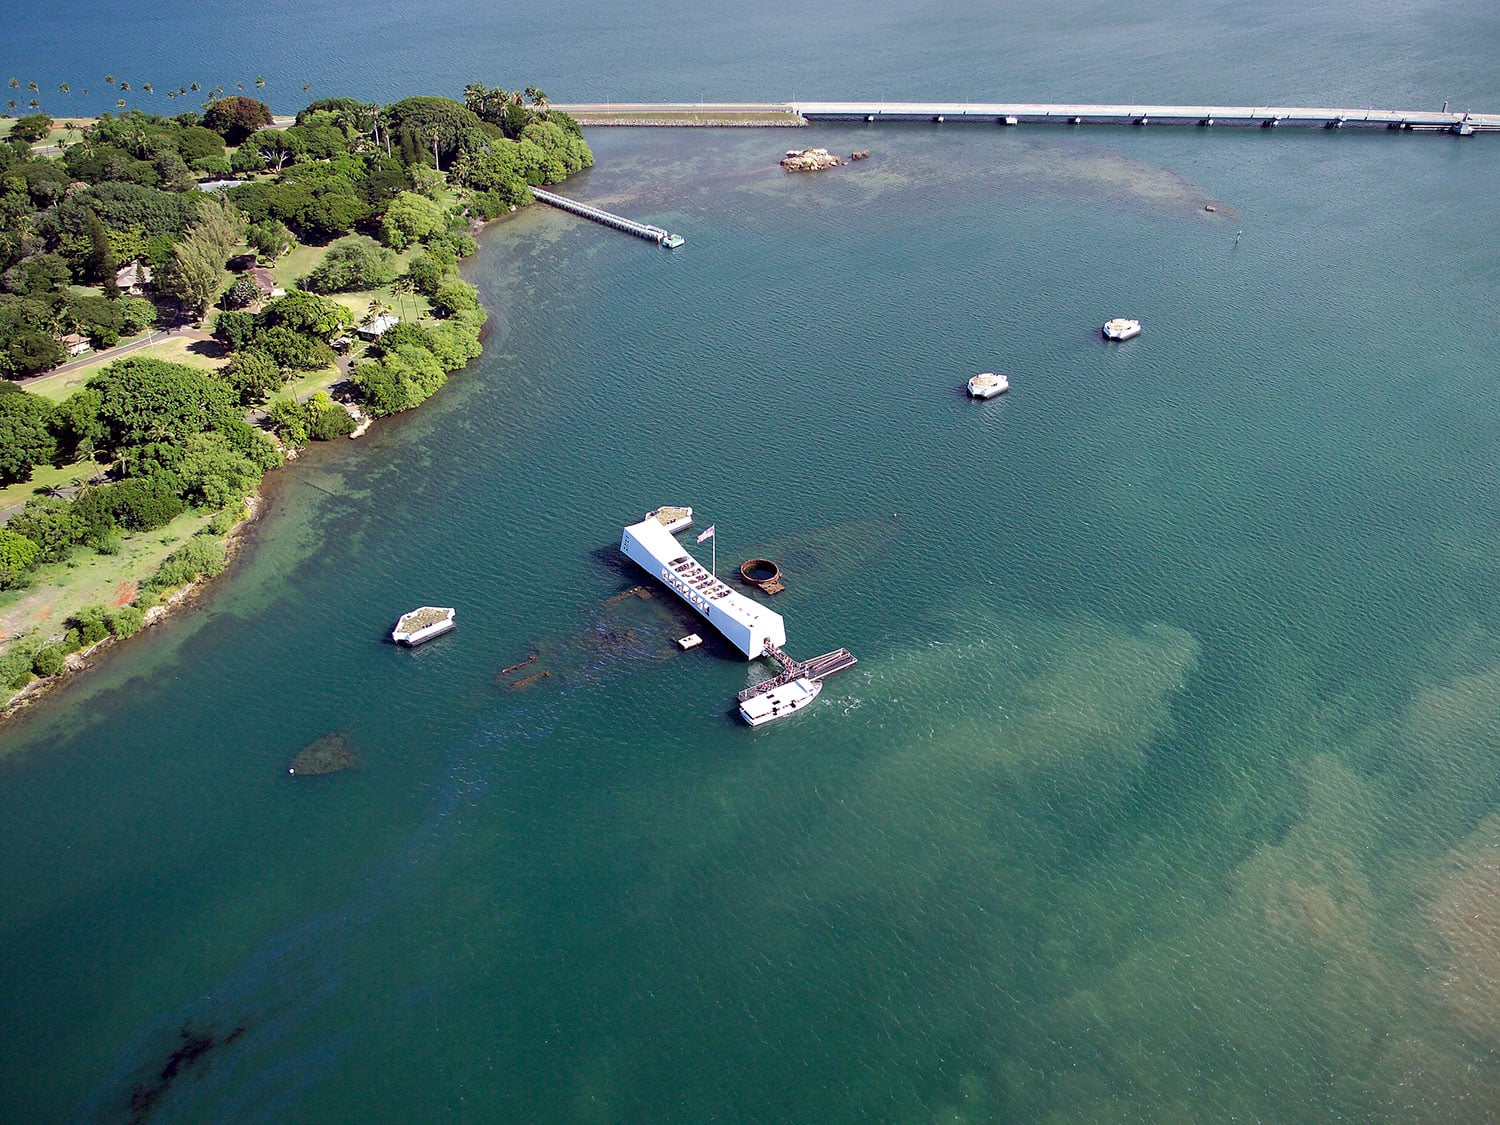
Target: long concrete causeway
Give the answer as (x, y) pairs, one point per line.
(1463, 122)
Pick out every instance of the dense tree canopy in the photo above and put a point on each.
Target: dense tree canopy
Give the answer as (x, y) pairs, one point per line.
(25, 435)
(354, 262)
(234, 118)
(143, 400)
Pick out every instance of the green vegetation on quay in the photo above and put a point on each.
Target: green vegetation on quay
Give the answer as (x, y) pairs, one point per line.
(306, 276)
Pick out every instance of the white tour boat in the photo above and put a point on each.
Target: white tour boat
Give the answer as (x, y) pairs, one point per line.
(422, 625)
(988, 384)
(780, 701)
(1121, 328)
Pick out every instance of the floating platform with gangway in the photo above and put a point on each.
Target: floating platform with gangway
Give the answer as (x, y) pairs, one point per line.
(650, 233)
(818, 669)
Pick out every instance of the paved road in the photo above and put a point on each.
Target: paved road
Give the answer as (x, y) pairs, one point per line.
(169, 333)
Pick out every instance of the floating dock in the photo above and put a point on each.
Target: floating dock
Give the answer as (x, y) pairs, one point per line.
(818, 669)
(618, 222)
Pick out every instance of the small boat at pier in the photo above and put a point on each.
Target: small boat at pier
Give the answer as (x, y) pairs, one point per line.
(988, 384)
(1121, 328)
(421, 625)
(780, 701)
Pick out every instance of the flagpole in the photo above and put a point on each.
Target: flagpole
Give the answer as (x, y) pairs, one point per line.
(714, 565)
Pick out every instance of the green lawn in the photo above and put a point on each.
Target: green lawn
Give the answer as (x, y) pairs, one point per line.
(60, 590)
(44, 477)
(203, 355)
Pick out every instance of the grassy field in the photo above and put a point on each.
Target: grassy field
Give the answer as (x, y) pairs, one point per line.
(43, 478)
(205, 355)
(60, 590)
(65, 130)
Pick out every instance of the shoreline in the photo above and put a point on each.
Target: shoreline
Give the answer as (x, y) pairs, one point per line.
(44, 687)
(235, 541)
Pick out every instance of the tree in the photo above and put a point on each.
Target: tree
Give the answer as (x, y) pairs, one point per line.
(51, 524)
(213, 472)
(197, 143)
(308, 314)
(18, 554)
(354, 262)
(430, 121)
(424, 272)
(270, 238)
(277, 147)
(454, 295)
(242, 293)
(143, 399)
(77, 427)
(25, 436)
(411, 218)
(254, 376)
(32, 128)
(194, 274)
(236, 117)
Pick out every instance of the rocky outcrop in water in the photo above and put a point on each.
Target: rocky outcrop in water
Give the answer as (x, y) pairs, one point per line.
(809, 160)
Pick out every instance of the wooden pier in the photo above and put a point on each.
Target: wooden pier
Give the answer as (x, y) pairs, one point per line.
(618, 222)
(819, 668)
(1463, 123)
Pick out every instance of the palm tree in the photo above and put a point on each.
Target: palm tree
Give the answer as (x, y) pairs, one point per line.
(306, 86)
(15, 83)
(146, 86)
(239, 85)
(195, 87)
(119, 103)
(31, 88)
(34, 104)
(109, 79)
(11, 104)
(260, 81)
(538, 97)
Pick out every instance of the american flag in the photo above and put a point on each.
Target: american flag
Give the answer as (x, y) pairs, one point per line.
(709, 534)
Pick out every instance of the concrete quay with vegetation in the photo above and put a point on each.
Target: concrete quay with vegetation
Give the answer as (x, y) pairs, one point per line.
(187, 300)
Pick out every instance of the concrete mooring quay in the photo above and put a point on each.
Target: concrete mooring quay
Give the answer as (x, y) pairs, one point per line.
(618, 222)
(1463, 123)
(1266, 117)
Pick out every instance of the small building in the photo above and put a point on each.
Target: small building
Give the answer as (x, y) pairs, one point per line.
(133, 278)
(75, 344)
(378, 327)
(263, 280)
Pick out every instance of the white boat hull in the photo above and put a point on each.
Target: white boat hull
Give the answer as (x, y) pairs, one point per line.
(780, 702)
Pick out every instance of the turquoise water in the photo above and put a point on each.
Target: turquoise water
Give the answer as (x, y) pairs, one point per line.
(1165, 789)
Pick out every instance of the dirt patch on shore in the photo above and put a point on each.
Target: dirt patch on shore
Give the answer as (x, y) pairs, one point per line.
(124, 594)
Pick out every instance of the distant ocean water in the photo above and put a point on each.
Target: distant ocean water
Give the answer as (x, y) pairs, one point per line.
(1165, 788)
